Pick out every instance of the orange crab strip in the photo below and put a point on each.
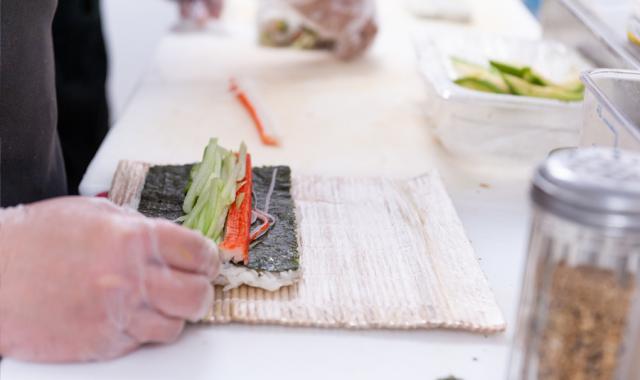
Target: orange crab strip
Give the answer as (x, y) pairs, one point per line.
(249, 106)
(235, 245)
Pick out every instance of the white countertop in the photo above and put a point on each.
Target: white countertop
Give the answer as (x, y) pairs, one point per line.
(363, 118)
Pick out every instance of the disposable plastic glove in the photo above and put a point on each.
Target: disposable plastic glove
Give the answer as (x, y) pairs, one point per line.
(84, 280)
(200, 10)
(351, 23)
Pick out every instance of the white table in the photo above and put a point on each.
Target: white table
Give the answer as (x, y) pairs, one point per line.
(359, 119)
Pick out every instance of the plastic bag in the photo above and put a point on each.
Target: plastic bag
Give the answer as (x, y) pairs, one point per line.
(281, 26)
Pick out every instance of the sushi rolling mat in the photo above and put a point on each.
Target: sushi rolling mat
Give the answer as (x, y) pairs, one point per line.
(375, 253)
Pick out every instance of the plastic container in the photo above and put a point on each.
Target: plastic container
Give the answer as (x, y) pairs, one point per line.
(634, 23)
(611, 109)
(580, 305)
(597, 28)
(483, 127)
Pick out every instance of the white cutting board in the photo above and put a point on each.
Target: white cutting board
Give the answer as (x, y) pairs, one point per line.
(329, 114)
(358, 118)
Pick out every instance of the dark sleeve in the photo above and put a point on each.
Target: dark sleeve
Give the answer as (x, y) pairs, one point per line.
(31, 166)
(81, 75)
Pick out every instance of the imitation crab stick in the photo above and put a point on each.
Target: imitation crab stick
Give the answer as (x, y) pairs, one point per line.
(256, 112)
(235, 246)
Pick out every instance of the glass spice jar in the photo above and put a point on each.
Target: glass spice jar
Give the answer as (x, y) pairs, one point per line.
(579, 311)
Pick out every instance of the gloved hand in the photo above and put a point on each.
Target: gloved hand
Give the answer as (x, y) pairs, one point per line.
(82, 280)
(200, 10)
(351, 23)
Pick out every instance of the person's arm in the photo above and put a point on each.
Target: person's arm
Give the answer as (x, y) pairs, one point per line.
(351, 23)
(208, 9)
(83, 280)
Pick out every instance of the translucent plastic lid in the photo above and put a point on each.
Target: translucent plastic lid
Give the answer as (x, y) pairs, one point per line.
(607, 20)
(618, 91)
(598, 187)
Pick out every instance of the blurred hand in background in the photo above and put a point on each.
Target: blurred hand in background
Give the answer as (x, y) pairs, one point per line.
(84, 280)
(200, 10)
(351, 23)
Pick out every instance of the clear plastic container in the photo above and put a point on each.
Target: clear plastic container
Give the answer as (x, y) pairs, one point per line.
(579, 314)
(597, 28)
(611, 109)
(634, 23)
(484, 127)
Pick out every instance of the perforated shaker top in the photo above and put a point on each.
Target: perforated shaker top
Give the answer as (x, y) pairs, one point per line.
(593, 186)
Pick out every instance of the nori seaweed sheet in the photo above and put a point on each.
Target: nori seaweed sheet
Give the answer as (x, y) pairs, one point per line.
(278, 251)
(164, 192)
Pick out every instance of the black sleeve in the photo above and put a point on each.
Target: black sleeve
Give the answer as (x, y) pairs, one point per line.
(81, 74)
(31, 166)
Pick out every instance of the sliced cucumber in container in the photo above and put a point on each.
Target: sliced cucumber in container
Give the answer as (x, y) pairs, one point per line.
(506, 78)
(479, 78)
(520, 86)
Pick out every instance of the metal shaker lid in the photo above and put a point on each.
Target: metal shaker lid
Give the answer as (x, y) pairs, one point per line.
(599, 187)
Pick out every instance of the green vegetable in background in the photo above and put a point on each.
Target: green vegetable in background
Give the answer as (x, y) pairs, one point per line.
(520, 86)
(480, 84)
(523, 72)
(574, 85)
(505, 78)
(478, 77)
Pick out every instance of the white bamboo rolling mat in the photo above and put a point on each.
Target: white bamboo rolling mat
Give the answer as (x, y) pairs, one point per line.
(375, 253)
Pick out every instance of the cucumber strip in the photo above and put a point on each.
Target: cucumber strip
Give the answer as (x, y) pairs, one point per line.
(478, 78)
(478, 85)
(521, 87)
(202, 174)
(466, 68)
(574, 85)
(534, 77)
(506, 68)
(213, 189)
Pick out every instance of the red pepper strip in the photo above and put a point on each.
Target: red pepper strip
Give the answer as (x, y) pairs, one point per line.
(237, 229)
(246, 102)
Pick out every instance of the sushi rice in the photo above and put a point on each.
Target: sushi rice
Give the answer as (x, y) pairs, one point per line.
(232, 276)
